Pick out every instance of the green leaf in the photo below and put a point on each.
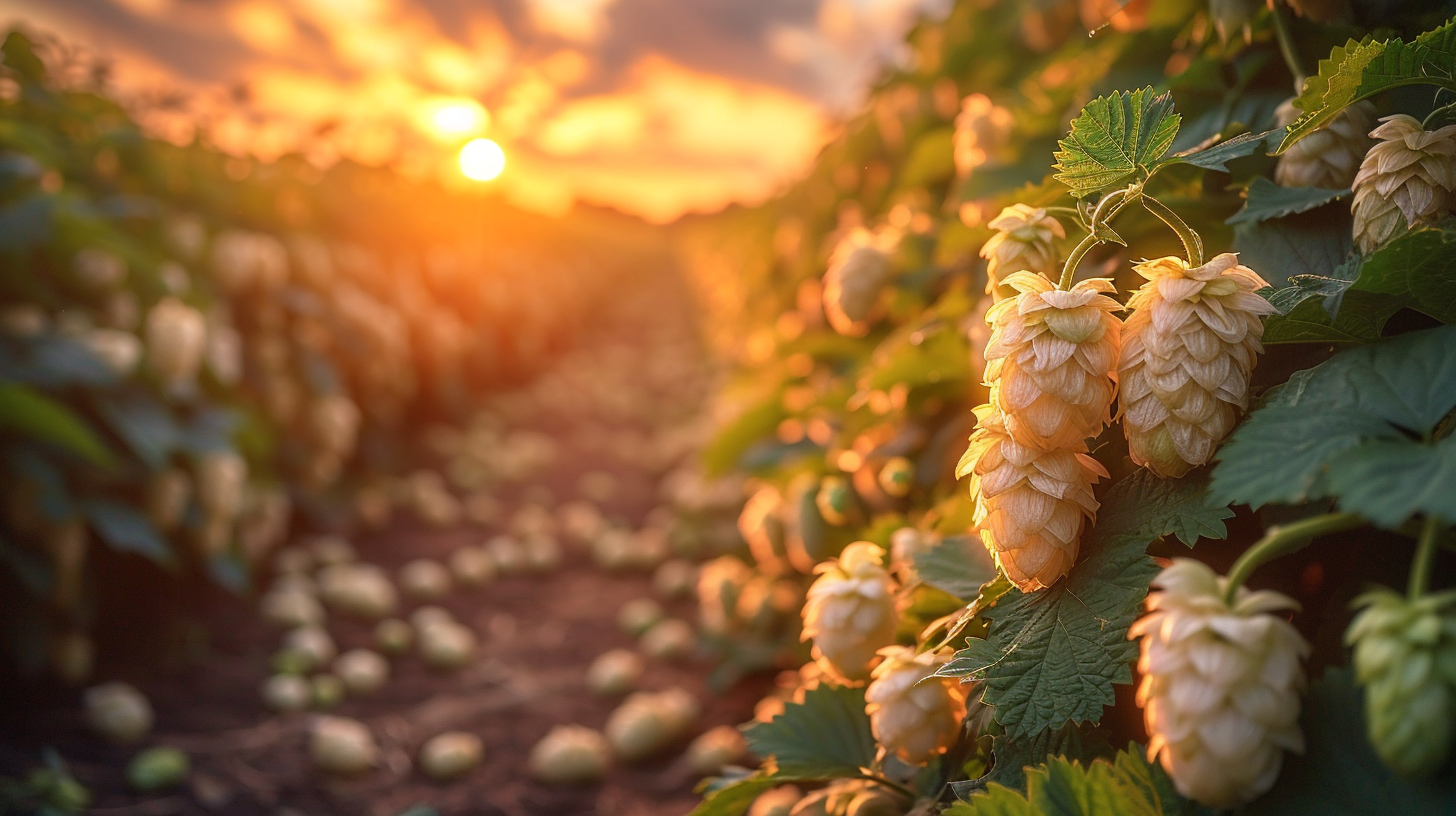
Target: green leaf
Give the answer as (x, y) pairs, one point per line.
(1339, 771)
(1353, 72)
(931, 159)
(1311, 243)
(36, 416)
(1126, 786)
(1341, 430)
(958, 565)
(1114, 138)
(1265, 200)
(735, 799)
(1013, 757)
(1361, 319)
(756, 423)
(825, 736)
(126, 530)
(1053, 656)
(1418, 269)
(1440, 45)
(1217, 157)
(1330, 289)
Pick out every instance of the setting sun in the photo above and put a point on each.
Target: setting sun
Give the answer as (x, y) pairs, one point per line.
(456, 118)
(482, 160)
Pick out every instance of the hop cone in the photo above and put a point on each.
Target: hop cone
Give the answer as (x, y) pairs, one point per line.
(1405, 655)
(1025, 239)
(981, 128)
(850, 613)
(1221, 684)
(1050, 361)
(1406, 179)
(176, 335)
(1030, 503)
(859, 268)
(1187, 351)
(1330, 157)
(918, 721)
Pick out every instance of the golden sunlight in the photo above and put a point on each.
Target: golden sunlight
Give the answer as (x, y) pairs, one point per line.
(456, 117)
(482, 160)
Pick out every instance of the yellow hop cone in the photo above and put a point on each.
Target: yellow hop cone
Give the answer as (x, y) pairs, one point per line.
(1030, 504)
(1187, 351)
(1405, 180)
(176, 335)
(917, 721)
(981, 128)
(1050, 360)
(1405, 656)
(1221, 684)
(1327, 158)
(858, 270)
(850, 613)
(1025, 239)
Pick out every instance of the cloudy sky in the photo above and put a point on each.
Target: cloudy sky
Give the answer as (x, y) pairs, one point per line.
(654, 106)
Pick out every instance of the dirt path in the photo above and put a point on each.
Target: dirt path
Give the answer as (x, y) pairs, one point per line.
(537, 634)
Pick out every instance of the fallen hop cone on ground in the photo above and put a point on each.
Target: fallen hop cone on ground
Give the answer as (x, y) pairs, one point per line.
(1221, 684)
(361, 671)
(291, 608)
(638, 615)
(286, 693)
(647, 723)
(341, 746)
(157, 769)
(447, 646)
(329, 550)
(670, 640)
(312, 644)
(118, 712)
(571, 755)
(915, 717)
(1188, 350)
(451, 755)
(850, 613)
(1407, 179)
(472, 566)
(393, 636)
(715, 748)
(362, 590)
(507, 554)
(1405, 656)
(614, 673)
(424, 580)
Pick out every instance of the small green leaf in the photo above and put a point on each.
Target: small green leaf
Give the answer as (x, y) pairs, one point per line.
(1053, 656)
(735, 799)
(1217, 157)
(1125, 786)
(1265, 200)
(958, 565)
(1114, 138)
(126, 530)
(35, 416)
(1339, 771)
(825, 736)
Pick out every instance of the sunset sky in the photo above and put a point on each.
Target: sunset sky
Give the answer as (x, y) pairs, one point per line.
(657, 107)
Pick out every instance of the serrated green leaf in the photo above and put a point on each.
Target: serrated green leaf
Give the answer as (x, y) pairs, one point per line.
(1361, 319)
(1339, 771)
(1352, 411)
(1217, 157)
(1265, 200)
(825, 736)
(958, 565)
(35, 416)
(1440, 45)
(735, 799)
(1418, 269)
(1126, 786)
(1053, 656)
(1356, 71)
(1311, 243)
(1114, 138)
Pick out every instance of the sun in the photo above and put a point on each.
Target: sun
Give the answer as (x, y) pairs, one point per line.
(482, 160)
(449, 118)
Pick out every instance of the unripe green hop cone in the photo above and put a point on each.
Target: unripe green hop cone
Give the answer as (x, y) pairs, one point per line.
(897, 476)
(1405, 656)
(157, 769)
(835, 500)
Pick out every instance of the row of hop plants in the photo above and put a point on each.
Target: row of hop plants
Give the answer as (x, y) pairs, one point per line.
(202, 351)
(1183, 347)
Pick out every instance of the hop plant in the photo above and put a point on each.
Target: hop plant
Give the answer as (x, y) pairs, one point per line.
(981, 128)
(1221, 684)
(1050, 361)
(1187, 352)
(1330, 157)
(1031, 504)
(850, 613)
(176, 335)
(1025, 240)
(916, 718)
(1405, 180)
(1405, 655)
(859, 268)
(119, 350)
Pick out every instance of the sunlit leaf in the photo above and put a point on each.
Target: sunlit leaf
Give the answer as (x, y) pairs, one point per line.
(1114, 138)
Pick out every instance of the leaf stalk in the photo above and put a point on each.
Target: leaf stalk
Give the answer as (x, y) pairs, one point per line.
(1282, 540)
(1425, 558)
(1192, 243)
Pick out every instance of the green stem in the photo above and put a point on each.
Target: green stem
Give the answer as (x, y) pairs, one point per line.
(890, 784)
(1107, 209)
(1436, 114)
(1286, 44)
(1192, 243)
(1283, 540)
(1420, 576)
